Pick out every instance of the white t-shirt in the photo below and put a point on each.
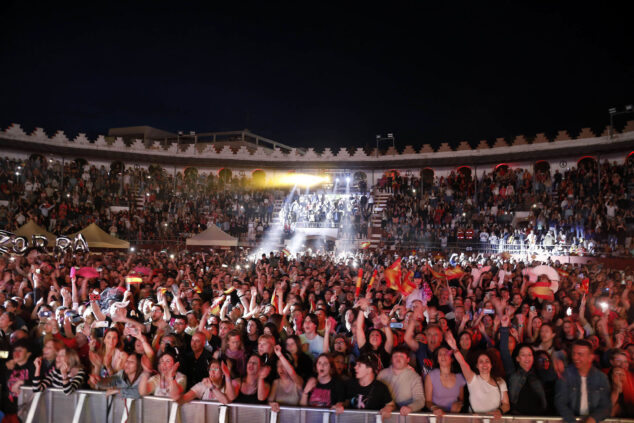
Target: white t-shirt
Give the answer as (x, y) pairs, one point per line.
(315, 345)
(164, 391)
(203, 390)
(483, 396)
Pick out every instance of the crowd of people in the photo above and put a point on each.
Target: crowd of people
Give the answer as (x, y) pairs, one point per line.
(312, 330)
(351, 212)
(133, 204)
(580, 211)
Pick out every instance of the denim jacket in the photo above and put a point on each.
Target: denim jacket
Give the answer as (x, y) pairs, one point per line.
(568, 394)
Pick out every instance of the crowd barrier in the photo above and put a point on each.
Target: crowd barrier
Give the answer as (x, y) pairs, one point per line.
(84, 406)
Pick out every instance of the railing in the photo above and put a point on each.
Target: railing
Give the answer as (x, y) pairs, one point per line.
(53, 406)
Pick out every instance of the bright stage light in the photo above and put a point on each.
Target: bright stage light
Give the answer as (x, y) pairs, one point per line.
(299, 179)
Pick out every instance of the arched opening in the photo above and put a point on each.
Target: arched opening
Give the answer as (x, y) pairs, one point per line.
(427, 177)
(587, 162)
(224, 175)
(465, 171)
(541, 166)
(258, 176)
(191, 175)
(501, 170)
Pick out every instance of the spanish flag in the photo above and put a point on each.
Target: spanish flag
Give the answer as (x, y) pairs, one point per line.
(542, 290)
(372, 279)
(563, 273)
(313, 306)
(132, 279)
(393, 275)
(215, 307)
(359, 280)
(275, 301)
(435, 274)
(408, 285)
(454, 273)
(365, 245)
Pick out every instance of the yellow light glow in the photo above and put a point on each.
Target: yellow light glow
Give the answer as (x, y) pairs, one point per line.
(299, 179)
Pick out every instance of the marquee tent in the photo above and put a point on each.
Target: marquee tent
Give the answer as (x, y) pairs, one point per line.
(98, 238)
(31, 228)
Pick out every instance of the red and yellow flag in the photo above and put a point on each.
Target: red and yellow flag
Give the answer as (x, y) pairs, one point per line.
(372, 279)
(133, 279)
(563, 273)
(275, 301)
(454, 273)
(408, 285)
(435, 274)
(393, 275)
(215, 307)
(365, 245)
(542, 290)
(585, 285)
(359, 280)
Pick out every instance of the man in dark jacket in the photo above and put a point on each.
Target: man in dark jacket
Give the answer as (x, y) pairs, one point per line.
(583, 390)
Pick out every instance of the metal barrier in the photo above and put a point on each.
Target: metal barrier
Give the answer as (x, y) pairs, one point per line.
(84, 406)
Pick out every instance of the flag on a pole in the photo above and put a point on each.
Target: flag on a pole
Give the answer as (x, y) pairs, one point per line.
(408, 285)
(393, 275)
(215, 307)
(359, 280)
(131, 279)
(372, 279)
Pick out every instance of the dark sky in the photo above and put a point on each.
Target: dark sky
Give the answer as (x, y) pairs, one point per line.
(316, 74)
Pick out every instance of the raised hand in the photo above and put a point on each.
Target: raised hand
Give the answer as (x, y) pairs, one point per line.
(264, 371)
(451, 341)
(505, 320)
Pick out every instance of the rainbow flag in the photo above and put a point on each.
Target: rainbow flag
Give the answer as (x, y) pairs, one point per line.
(286, 252)
(365, 245)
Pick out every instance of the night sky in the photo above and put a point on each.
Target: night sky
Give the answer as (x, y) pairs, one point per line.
(312, 74)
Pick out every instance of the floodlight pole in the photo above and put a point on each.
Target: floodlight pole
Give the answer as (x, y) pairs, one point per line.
(613, 112)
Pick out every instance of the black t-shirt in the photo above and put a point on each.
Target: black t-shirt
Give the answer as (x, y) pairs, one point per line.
(19, 375)
(372, 397)
(327, 394)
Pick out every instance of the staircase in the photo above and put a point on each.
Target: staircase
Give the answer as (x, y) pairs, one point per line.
(380, 203)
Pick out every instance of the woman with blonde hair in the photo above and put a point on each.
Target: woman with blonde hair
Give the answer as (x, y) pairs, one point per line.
(68, 373)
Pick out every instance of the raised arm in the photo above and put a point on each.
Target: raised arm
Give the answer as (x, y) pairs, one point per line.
(464, 366)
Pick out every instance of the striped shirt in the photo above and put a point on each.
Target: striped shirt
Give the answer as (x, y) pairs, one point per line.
(54, 380)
